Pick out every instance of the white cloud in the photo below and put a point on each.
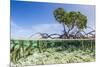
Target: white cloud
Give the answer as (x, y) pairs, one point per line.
(19, 32)
(47, 28)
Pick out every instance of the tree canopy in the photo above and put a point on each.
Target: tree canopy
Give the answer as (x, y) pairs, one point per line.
(70, 19)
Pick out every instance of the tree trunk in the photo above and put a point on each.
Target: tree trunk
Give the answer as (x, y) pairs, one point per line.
(65, 35)
(64, 28)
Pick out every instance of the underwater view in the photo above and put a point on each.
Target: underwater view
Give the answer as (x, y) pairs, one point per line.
(40, 52)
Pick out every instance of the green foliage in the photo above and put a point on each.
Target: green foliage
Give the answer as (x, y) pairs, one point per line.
(71, 19)
(59, 14)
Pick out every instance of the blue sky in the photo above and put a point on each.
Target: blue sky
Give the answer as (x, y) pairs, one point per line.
(32, 17)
